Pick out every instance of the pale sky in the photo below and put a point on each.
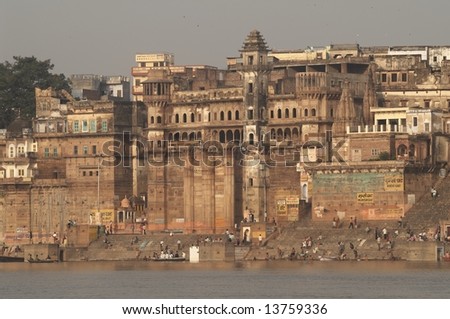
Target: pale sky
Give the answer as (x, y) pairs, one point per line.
(102, 36)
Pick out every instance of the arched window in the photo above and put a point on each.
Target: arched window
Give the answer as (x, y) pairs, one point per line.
(286, 113)
(313, 112)
(306, 112)
(279, 113)
(230, 115)
(331, 112)
(177, 118)
(237, 136)
(222, 137)
(159, 120)
(236, 115)
(294, 112)
(192, 117)
(229, 136)
(199, 117)
(184, 118)
(222, 116)
(152, 120)
(12, 151)
(251, 138)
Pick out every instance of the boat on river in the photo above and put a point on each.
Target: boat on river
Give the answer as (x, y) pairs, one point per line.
(169, 259)
(11, 259)
(43, 261)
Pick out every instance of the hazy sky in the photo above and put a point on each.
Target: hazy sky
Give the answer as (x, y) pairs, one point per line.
(102, 37)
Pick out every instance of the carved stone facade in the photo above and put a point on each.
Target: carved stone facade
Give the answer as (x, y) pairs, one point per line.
(207, 148)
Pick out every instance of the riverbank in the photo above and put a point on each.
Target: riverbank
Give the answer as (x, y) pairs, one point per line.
(297, 241)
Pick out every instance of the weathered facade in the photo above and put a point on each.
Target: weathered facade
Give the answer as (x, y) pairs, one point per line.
(202, 149)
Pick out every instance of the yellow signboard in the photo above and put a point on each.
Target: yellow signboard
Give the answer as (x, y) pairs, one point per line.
(292, 201)
(103, 217)
(364, 197)
(393, 182)
(281, 207)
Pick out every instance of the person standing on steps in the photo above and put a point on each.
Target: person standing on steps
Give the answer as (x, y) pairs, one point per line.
(350, 226)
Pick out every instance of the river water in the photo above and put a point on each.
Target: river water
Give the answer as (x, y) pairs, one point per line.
(258, 279)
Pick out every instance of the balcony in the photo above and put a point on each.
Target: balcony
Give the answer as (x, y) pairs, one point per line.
(138, 90)
(139, 71)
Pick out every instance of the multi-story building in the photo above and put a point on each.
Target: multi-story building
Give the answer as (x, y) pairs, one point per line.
(201, 149)
(96, 87)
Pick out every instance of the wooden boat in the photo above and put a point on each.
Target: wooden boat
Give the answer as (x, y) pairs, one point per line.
(11, 259)
(169, 259)
(41, 261)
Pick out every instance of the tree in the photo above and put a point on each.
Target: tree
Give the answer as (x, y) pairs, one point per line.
(17, 83)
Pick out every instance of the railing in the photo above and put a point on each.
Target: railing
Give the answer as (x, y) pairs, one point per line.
(376, 129)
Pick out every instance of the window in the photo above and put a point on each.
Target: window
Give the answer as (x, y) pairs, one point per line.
(414, 121)
(76, 126)
(75, 150)
(34, 148)
(435, 59)
(94, 149)
(294, 113)
(177, 118)
(46, 152)
(93, 125)
(222, 116)
(21, 172)
(383, 77)
(55, 152)
(152, 119)
(306, 112)
(250, 114)
(104, 126)
(159, 119)
(404, 77)
(250, 88)
(20, 149)
(84, 173)
(250, 60)
(427, 127)
(286, 113)
(375, 152)
(184, 118)
(394, 77)
(84, 126)
(11, 151)
(138, 82)
(427, 103)
(85, 150)
(236, 115)
(271, 114)
(230, 116)
(279, 113)
(192, 117)
(313, 112)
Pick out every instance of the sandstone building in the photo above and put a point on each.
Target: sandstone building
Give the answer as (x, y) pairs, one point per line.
(336, 131)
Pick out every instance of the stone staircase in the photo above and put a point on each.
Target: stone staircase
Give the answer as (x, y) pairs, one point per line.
(429, 211)
(325, 241)
(125, 246)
